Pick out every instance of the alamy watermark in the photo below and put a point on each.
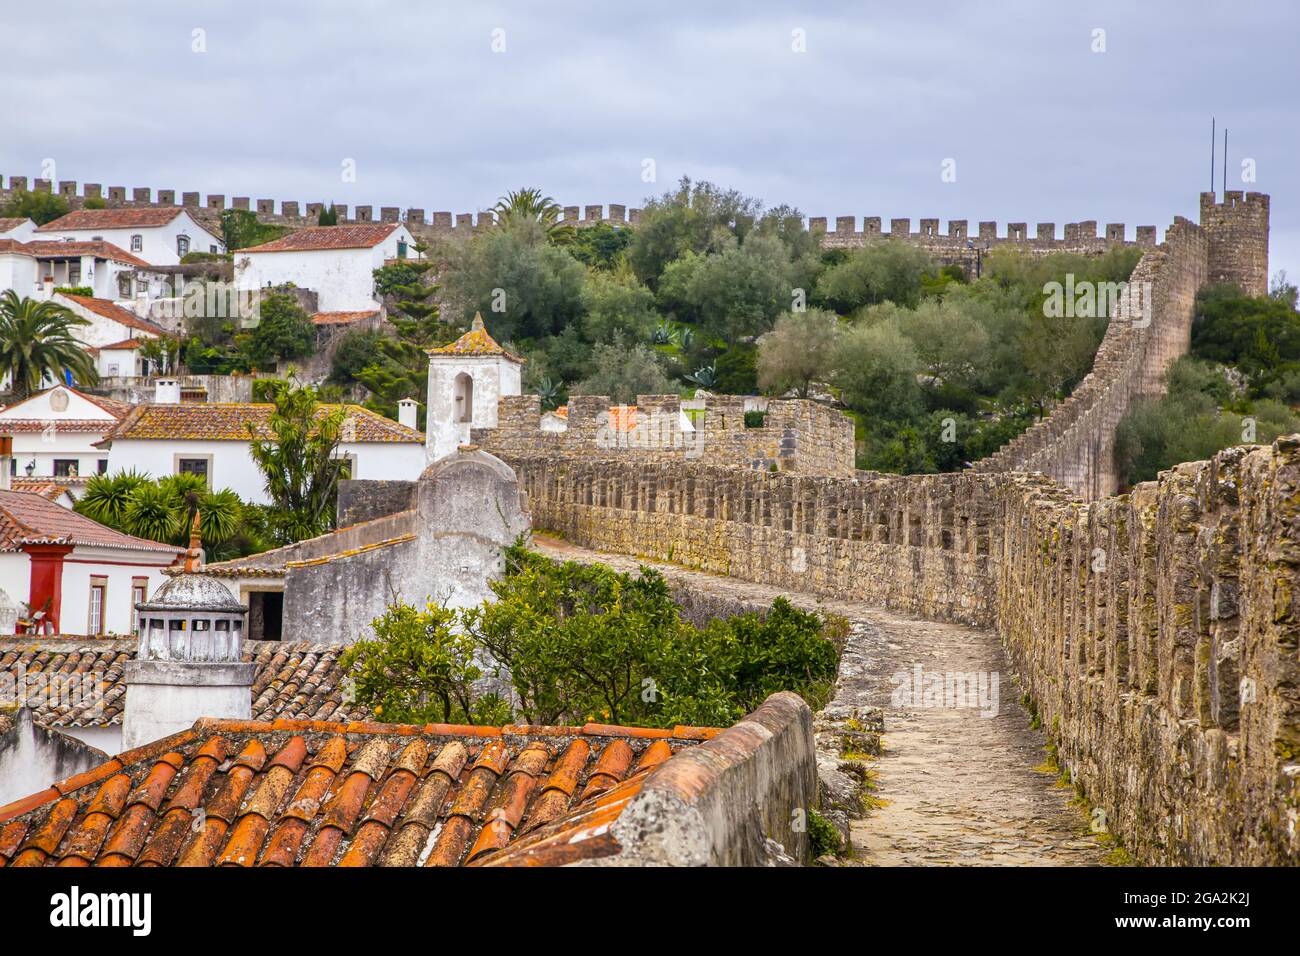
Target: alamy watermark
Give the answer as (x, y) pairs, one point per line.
(1090, 300)
(954, 690)
(626, 427)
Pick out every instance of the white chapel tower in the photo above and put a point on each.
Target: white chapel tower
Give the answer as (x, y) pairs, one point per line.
(465, 380)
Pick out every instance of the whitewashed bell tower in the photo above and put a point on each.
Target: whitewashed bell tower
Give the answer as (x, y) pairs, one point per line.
(465, 380)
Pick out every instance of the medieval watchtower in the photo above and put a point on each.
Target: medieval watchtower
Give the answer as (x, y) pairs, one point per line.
(1237, 232)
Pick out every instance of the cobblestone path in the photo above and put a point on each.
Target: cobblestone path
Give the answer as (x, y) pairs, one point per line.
(954, 787)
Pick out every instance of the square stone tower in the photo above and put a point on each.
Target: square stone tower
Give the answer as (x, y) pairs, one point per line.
(465, 380)
(1237, 231)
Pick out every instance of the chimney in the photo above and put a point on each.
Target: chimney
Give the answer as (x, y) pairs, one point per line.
(408, 413)
(189, 663)
(47, 287)
(167, 391)
(6, 460)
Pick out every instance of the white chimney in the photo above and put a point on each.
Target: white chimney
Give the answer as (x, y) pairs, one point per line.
(47, 287)
(6, 462)
(190, 658)
(167, 391)
(408, 413)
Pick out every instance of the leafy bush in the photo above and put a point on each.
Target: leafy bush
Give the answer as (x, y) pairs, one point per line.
(583, 642)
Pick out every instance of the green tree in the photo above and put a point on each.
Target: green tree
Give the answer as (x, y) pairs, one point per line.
(617, 306)
(284, 331)
(623, 372)
(40, 207)
(879, 272)
(36, 339)
(163, 510)
(733, 293)
(530, 206)
(525, 288)
(299, 463)
(329, 216)
(690, 219)
(876, 370)
(418, 667)
(797, 351)
(240, 229)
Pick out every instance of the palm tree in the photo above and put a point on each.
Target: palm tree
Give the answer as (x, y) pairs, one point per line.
(529, 205)
(36, 339)
(163, 510)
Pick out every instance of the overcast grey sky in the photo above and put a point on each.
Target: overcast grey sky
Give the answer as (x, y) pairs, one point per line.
(1040, 126)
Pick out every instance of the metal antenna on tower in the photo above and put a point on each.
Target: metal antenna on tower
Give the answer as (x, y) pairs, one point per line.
(1212, 145)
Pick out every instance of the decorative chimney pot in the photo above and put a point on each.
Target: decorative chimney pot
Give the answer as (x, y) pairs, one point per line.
(190, 659)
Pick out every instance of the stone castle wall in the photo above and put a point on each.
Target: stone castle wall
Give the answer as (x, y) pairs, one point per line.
(1155, 632)
(956, 243)
(1149, 329)
(796, 436)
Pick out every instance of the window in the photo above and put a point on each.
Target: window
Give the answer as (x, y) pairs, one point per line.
(101, 466)
(212, 247)
(65, 468)
(401, 248)
(98, 592)
(124, 285)
(464, 391)
(195, 466)
(139, 593)
(182, 245)
(137, 243)
(74, 273)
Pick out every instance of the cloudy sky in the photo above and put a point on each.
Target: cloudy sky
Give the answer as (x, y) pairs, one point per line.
(837, 108)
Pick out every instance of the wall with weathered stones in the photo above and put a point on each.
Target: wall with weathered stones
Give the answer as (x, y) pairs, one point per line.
(1149, 329)
(796, 436)
(1132, 620)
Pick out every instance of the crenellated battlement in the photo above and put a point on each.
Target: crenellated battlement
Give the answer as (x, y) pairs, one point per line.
(953, 241)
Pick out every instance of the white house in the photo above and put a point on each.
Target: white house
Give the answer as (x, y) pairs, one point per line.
(465, 380)
(55, 431)
(19, 229)
(159, 234)
(114, 334)
(35, 268)
(213, 440)
(74, 576)
(336, 262)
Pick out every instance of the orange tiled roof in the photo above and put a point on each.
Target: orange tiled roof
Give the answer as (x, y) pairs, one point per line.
(476, 341)
(311, 793)
(27, 518)
(314, 238)
(229, 421)
(50, 488)
(13, 246)
(6, 224)
(80, 219)
(111, 310)
(342, 318)
(57, 249)
(297, 680)
(126, 345)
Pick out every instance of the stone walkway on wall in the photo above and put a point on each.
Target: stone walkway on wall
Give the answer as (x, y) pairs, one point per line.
(952, 787)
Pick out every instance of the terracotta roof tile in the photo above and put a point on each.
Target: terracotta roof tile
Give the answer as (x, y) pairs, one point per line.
(293, 679)
(59, 249)
(315, 238)
(27, 518)
(312, 793)
(475, 342)
(222, 421)
(108, 309)
(342, 318)
(142, 216)
(8, 224)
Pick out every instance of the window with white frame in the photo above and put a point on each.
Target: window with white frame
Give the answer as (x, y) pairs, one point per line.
(98, 595)
(137, 243)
